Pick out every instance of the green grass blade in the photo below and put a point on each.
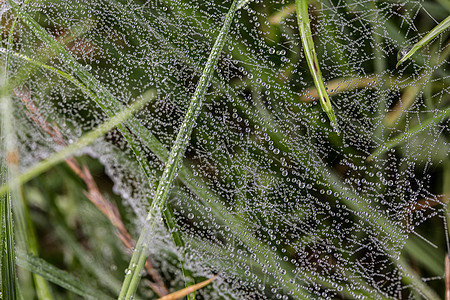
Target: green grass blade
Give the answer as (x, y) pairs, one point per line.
(311, 58)
(50, 68)
(8, 266)
(408, 51)
(58, 276)
(179, 242)
(66, 235)
(132, 276)
(83, 141)
(401, 138)
(24, 226)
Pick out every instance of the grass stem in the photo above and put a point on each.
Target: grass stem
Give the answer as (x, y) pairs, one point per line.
(311, 57)
(132, 276)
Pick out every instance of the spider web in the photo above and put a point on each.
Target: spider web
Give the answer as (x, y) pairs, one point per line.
(286, 209)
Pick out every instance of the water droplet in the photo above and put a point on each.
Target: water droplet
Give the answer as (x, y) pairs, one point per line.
(403, 52)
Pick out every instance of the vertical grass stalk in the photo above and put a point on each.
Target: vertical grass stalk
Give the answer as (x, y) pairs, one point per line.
(132, 276)
(311, 58)
(8, 266)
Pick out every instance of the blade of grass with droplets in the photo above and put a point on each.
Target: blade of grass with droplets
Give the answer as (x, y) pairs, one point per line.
(311, 58)
(83, 141)
(50, 68)
(24, 226)
(132, 276)
(401, 138)
(58, 276)
(8, 266)
(179, 242)
(425, 40)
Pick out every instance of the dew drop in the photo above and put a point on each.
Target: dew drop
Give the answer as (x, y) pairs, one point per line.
(403, 51)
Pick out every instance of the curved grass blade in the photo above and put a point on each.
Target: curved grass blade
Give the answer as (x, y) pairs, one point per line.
(50, 68)
(58, 276)
(408, 51)
(410, 133)
(132, 276)
(311, 58)
(83, 141)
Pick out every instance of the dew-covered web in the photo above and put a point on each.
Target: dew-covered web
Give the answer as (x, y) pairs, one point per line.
(272, 200)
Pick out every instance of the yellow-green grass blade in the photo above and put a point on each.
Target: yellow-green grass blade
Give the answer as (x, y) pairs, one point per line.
(311, 58)
(83, 141)
(408, 51)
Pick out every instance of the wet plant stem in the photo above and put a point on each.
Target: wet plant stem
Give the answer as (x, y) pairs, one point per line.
(136, 265)
(313, 63)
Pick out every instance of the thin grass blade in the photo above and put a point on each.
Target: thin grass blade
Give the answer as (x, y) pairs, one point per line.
(59, 277)
(82, 141)
(8, 266)
(132, 276)
(408, 51)
(311, 58)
